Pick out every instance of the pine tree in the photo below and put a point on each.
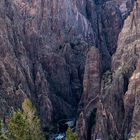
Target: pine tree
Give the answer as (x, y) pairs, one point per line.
(70, 135)
(25, 124)
(29, 111)
(18, 127)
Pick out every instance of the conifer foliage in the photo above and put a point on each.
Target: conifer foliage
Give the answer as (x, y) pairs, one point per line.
(137, 136)
(18, 127)
(29, 112)
(25, 124)
(70, 135)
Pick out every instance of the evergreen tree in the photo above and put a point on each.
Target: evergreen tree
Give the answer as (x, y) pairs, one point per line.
(70, 135)
(25, 124)
(29, 111)
(18, 127)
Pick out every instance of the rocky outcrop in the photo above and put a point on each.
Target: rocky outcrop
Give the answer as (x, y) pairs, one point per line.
(43, 51)
(115, 115)
(91, 85)
(64, 56)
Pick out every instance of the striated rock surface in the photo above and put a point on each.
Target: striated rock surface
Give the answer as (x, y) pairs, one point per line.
(115, 114)
(43, 46)
(73, 58)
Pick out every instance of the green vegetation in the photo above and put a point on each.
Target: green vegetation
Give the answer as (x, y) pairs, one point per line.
(137, 136)
(2, 135)
(18, 127)
(29, 111)
(25, 124)
(70, 135)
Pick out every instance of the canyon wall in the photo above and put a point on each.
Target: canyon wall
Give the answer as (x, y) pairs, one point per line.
(112, 113)
(72, 58)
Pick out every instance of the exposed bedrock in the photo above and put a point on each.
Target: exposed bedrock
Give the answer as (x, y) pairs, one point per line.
(114, 115)
(72, 57)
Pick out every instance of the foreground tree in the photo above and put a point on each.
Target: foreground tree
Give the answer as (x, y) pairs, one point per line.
(25, 124)
(70, 135)
(29, 111)
(18, 127)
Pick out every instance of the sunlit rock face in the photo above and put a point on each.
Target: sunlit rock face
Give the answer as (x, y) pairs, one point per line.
(114, 115)
(59, 54)
(130, 37)
(55, 19)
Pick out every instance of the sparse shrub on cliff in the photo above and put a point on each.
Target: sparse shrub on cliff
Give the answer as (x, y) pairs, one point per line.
(70, 135)
(137, 136)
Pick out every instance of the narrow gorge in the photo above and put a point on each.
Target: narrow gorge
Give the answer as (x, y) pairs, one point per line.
(74, 59)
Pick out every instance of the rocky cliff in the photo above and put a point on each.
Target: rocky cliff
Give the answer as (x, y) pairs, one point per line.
(111, 110)
(73, 58)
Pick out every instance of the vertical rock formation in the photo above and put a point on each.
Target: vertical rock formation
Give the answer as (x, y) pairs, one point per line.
(91, 85)
(69, 57)
(43, 50)
(116, 116)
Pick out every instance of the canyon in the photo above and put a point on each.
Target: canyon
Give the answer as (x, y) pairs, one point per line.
(73, 59)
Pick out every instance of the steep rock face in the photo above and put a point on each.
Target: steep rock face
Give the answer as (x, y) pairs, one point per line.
(19, 70)
(52, 51)
(43, 51)
(91, 85)
(115, 115)
(36, 60)
(34, 64)
(129, 38)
